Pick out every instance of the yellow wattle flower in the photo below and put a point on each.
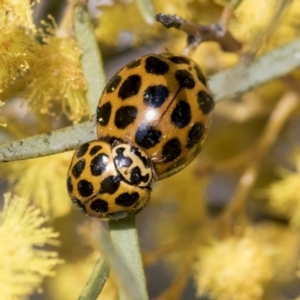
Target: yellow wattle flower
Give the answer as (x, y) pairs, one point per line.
(234, 269)
(24, 262)
(56, 77)
(43, 180)
(284, 194)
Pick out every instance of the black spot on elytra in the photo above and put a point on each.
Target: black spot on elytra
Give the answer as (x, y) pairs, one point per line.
(95, 149)
(205, 102)
(147, 136)
(195, 134)
(136, 176)
(85, 188)
(113, 83)
(185, 79)
(156, 95)
(171, 150)
(179, 60)
(99, 206)
(181, 115)
(78, 204)
(125, 115)
(103, 113)
(130, 86)
(156, 66)
(137, 152)
(82, 150)
(78, 168)
(134, 64)
(69, 185)
(200, 75)
(121, 160)
(98, 164)
(110, 185)
(127, 199)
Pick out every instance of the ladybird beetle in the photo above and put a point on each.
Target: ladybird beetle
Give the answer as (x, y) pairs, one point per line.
(151, 121)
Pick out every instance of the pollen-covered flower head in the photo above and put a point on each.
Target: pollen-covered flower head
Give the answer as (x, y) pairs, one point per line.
(50, 70)
(15, 51)
(234, 269)
(284, 194)
(19, 12)
(56, 77)
(24, 263)
(42, 180)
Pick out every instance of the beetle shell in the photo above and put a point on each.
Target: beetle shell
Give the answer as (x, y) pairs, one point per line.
(98, 189)
(161, 104)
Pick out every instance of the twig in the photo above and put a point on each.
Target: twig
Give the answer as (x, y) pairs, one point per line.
(198, 33)
(96, 282)
(284, 108)
(57, 141)
(235, 81)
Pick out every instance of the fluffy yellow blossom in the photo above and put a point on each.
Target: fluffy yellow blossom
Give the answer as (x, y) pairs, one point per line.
(255, 12)
(128, 31)
(43, 180)
(284, 195)
(56, 77)
(288, 27)
(15, 50)
(19, 12)
(24, 263)
(51, 69)
(234, 269)
(266, 24)
(16, 40)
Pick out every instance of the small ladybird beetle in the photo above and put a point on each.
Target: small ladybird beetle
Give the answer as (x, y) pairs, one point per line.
(99, 184)
(151, 122)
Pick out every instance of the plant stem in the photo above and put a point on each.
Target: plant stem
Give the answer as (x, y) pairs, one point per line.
(125, 240)
(239, 79)
(48, 143)
(91, 60)
(96, 282)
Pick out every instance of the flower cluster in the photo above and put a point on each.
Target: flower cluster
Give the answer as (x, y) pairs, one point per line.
(34, 179)
(284, 194)
(24, 262)
(44, 74)
(234, 269)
